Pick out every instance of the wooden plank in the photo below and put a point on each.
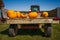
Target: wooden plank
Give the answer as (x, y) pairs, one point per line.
(56, 21)
(28, 21)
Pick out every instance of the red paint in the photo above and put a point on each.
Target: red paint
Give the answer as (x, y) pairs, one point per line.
(30, 26)
(56, 18)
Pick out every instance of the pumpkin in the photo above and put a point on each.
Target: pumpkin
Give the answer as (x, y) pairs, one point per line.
(45, 14)
(11, 14)
(23, 15)
(33, 14)
(18, 14)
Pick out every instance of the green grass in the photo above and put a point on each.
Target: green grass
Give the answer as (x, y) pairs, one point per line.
(4, 36)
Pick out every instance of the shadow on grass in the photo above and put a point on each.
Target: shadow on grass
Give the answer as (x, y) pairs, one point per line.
(31, 32)
(5, 32)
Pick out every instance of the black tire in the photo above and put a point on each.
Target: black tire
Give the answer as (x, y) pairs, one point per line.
(12, 31)
(47, 30)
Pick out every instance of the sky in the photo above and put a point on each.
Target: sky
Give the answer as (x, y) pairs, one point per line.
(24, 5)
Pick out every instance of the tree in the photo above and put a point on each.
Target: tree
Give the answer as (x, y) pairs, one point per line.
(1, 4)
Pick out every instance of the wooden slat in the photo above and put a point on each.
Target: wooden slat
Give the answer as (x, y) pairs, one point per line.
(28, 21)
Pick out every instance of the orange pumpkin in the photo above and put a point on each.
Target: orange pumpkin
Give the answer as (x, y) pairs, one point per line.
(33, 14)
(23, 15)
(11, 14)
(18, 14)
(45, 14)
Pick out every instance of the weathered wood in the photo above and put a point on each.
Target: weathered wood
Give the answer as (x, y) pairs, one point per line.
(29, 21)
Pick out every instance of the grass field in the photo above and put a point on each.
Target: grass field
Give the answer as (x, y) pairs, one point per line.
(27, 35)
